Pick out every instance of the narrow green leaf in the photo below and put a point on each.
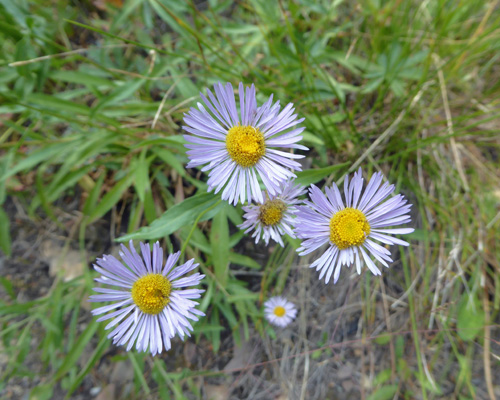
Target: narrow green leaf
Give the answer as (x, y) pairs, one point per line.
(56, 188)
(170, 159)
(384, 393)
(93, 195)
(310, 176)
(246, 261)
(96, 355)
(219, 238)
(53, 102)
(76, 351)
(228, 313)
(149, 207)
(36, 157)
(177, 216)
(139, 373)
(470, 318)
(214, 333)
(7, 285)
(311, 139)
(5, 165)
(127, 8)
(383, 339)
(22, 308)
(5, 241)
(119, 94)
(42, 392)
(167, 141)
(382, 377)
(80, 78)
(246, 296)
(105, 33)
(141, 174)
(112, 197)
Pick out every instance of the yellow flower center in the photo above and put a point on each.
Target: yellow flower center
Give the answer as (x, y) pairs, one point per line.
(279, 311)
(348, 227)
(245, 145)
(151, 293)
(271, 212)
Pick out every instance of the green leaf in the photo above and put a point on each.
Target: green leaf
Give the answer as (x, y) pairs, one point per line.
(227, 311)
(52, 102)
(372, 85)
(177, 216)
(214, 333)
(149, 207)
(42, 392)
(127, 8)
(170, 159)
(316, 354)
(111, 198)
(55, 188)
(337, 89)
(219, 238)
(383, 339)
(7, 285)
(80, 78)
(470, 318)
(5, 165)
(167, 141)
(36, 157)
(384, 393)
(311, 139)
(139, 372)
(121, 93)
(5, 242)
(94, 358)
(310, 176)
(93, 195)
(246, 261)
(382, 377)
(242, 297)
(76, 350)
(22, 308)
(400, 347)
(141, 174)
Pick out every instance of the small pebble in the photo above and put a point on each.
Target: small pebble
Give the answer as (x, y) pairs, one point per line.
(95, 391)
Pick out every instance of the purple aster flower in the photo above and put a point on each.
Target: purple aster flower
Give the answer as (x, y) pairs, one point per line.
(351, 228)
(279, 311)
(275, 216)
(150, 305)
(238, 148)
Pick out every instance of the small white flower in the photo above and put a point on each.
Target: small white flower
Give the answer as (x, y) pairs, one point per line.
(350, 229)
(275, 216)
(240, 147)
(279, 311)
(151, 306)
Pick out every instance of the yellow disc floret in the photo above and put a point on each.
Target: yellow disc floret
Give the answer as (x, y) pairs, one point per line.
(245, 145)
(271, 212)
(348, 227)
(151, 293)
(279, 311)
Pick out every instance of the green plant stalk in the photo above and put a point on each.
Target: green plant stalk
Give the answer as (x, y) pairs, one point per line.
(411, 305)
(195, 224)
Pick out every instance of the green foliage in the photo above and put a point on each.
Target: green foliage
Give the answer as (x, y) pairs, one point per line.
(384, 393)
(5, 244)
(196, 208)
(470, 318)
